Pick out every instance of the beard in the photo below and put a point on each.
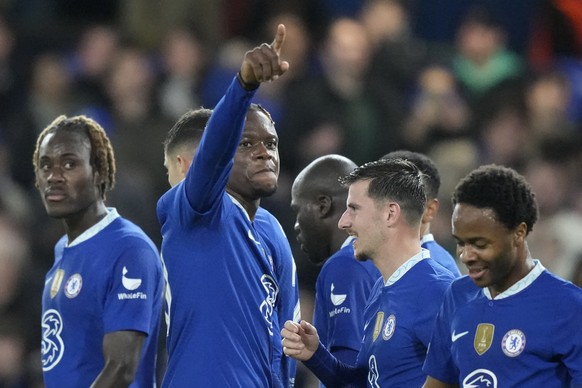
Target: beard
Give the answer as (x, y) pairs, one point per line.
(361, 257)
(359, 254)
(265, 191)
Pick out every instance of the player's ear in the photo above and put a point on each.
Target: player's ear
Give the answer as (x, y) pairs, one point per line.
(431, 210)
(184, 164)
(520, 233)
(324, 205)
(392, 212)
(99, 183)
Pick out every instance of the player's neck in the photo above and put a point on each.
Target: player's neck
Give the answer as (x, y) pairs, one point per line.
(250, 206)
(76, 224)
(520, 271)
(395, 254)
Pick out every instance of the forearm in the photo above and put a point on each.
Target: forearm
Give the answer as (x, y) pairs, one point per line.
(334, 373)
(208, 174)
(346, 355)
(223, 132)
(121, 351)
(115, 374)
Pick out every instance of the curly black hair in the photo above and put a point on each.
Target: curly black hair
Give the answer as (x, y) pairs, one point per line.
(102, 156)
(502, 190)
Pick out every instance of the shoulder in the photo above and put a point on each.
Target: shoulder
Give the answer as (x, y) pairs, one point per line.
(268, 226)
(264, 218)
(124, 234)
(560, 288)
(437, 272)
(169, 195)
(431, 280)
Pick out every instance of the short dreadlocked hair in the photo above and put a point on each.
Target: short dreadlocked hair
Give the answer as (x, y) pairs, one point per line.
(398, 180)
(102, 157)
(502, 190)
(190, 126)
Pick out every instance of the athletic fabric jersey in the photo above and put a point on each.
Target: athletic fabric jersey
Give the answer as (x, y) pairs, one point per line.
(528, 336)
(341, 293)
(398, 321)
(287, 307)
(108, 279)
(222, 287)
(440, 254)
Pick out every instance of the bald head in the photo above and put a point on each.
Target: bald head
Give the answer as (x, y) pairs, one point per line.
(322, 176)
(319, 199)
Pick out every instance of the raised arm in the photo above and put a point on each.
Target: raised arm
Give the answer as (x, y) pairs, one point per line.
(208, 175)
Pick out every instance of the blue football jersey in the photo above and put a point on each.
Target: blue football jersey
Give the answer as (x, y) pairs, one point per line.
(440, 254)
(398, 322)
(287, 305)
(341, 293)
(528, 336)
(108, 279)
(222, 286)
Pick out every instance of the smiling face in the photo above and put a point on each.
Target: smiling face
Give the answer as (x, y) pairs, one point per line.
(65, 178)
(488, 249)
(365, 220)
(256, 163)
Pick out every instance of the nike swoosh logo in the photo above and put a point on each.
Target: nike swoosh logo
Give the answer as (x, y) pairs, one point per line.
(455, 337)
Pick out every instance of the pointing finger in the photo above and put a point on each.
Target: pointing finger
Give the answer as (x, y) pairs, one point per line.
(279, 38)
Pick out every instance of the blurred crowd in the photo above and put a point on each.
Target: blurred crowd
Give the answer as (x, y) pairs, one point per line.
(468, 83)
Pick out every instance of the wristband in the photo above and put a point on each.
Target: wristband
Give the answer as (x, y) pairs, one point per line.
(244, 85)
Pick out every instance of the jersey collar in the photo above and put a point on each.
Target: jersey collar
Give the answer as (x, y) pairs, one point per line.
(522, 284)
(348, 241)
(92, 231)
(426, 238)
(404, 268)
(237, 203)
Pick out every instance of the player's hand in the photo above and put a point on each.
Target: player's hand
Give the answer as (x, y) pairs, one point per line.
(264, 63)
(300, 340)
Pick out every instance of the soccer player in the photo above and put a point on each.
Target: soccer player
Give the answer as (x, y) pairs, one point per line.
(179, 148)
(510, 322)
(385, 204)
(343, 285)
(432, 184)
(102, 298)
(223, 285)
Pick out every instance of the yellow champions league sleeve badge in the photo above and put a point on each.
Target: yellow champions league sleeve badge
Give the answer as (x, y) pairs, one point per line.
(483, 338)
(58, 279)
(378, 325)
